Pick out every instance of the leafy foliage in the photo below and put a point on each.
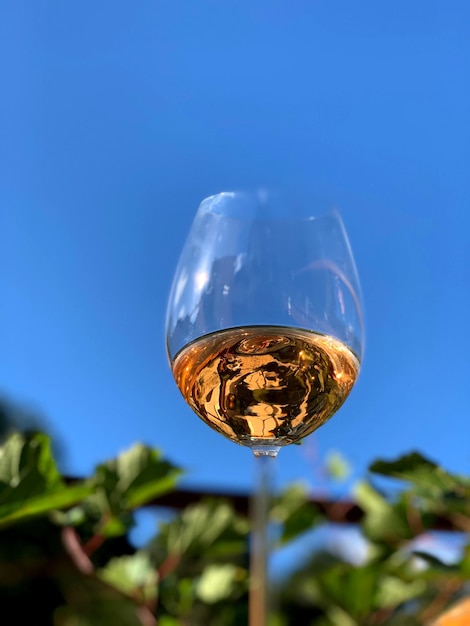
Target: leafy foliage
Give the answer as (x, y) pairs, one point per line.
(30, 483)
(66, 560)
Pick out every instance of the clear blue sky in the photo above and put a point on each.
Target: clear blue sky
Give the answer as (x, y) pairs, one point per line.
(117, 118)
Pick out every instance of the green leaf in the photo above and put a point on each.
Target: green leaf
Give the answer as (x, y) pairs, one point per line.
(383, 521)
(26, 467)
(42, 504)
(136, 476)
(30, 483)
(70, 517)
(295, 513)
(217, 582)
(144, 475)
(131, 480)
(351, 588)
(133, 575)
(393, 591)
(167, 620)
(117, 525)
(433, 491)
(405, 465)
(201, 527)
(92, 602)
(433, 561)
(464, 564)
(338, 617)
(422, 472)
(337, 466)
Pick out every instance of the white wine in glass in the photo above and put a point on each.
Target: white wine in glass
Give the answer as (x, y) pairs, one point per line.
(264, 323)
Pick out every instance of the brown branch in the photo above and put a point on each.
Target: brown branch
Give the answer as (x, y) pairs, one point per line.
(168, 565)
(336, 511)
(340, 511)
(448, 589)
(414, 519)
(460, 521)
(380, 617)
(93, 544)
(145, 616)
(75, 550)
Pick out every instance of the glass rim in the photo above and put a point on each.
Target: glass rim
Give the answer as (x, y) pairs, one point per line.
(275, 197)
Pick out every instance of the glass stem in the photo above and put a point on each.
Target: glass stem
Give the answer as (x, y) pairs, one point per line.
(259, 557)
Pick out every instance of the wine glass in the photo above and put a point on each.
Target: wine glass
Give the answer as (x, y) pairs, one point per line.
(264, 329)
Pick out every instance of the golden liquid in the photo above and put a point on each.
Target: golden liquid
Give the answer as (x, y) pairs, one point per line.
(261, 385)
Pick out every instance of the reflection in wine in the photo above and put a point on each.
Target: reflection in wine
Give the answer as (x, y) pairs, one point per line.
(264, 385)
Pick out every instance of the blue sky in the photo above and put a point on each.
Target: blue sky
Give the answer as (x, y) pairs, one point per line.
(118, 118)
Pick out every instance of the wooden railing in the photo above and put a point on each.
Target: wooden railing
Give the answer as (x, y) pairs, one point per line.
(335, 511)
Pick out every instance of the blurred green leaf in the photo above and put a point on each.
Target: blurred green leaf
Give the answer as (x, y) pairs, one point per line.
(422, 472)
(91, 602)
(70, 517)
(432, 491)
(393, 591)
(337, 466)
(197, 564)
(131, 480)
(217, 582)
(433, 561)
(405, 465)
(42, 504)
(143, 474)
(338, 617)
(294, 513)
(133, 575)
(200, 527)
(351, 588)
(30, 483)
(26, 467)
(383, 521)
(167, 620)
(135, 477)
